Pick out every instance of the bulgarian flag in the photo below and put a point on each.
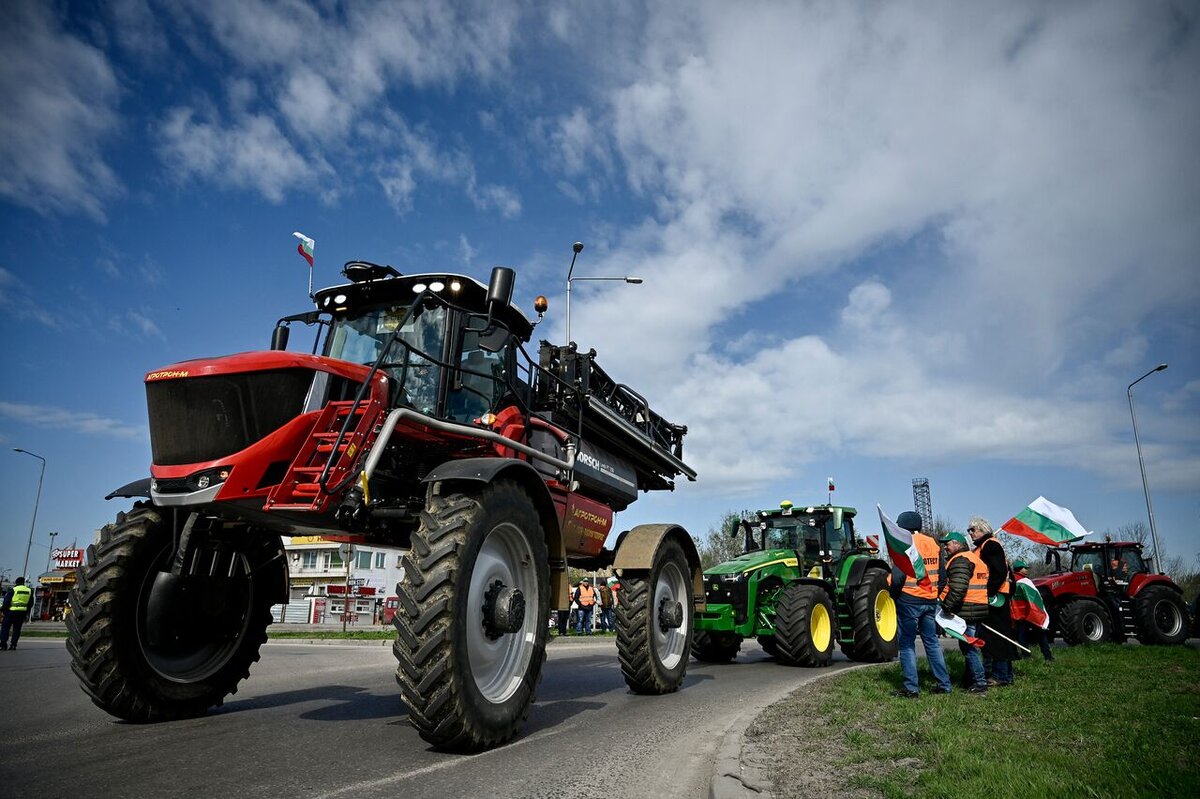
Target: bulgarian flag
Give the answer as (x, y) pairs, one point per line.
(956, 627)
(1027, 604)
(903, 551)
(305, 248)
(1046, 523)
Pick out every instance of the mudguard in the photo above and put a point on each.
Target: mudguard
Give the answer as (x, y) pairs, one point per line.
(138, 488)
(636, 550)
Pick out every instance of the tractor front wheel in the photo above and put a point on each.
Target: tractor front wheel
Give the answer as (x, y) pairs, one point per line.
(873, 612)
(714, 647)
(1085, 621)
(135, 667)
(804, 622)
(1160, 616)
(769, 645)
(472, 623)
(654, 623)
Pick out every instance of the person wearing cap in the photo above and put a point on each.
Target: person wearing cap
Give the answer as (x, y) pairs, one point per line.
(964, 594)
(997, 629)
(585, 595)
(916, 607)
(1027, 632)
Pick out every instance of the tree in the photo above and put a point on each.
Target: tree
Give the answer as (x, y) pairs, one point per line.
(1136, 532)
(718, 545)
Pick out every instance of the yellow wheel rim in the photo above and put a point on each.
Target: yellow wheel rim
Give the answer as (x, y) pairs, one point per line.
(820, 628)
(885, 615)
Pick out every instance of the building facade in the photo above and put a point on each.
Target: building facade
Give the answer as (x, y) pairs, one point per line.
(333, 582)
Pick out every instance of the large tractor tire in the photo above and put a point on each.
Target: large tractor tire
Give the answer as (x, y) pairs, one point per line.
(1085, 621)
(472, 623)
(804, 626)
(714, 647)
(769, 645)
(873, 612)
(1160, 616)
(216, 627)
(654, 623)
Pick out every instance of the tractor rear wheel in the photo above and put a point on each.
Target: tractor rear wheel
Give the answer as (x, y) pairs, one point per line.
(873, 613)
(216, 631)
(1085, 621)
(654, 623)
(472, 623)
(715, 647)
(804, 622)
(1160, 616)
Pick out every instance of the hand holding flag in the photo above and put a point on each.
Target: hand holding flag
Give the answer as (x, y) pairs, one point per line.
(956, 627)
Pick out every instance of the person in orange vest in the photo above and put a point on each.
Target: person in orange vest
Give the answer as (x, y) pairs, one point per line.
(15, 608)
(916, 607)
(964, 594)
(997, 629)
(585, 595)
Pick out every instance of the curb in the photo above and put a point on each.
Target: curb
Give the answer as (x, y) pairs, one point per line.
(734, 779)
(333, 641)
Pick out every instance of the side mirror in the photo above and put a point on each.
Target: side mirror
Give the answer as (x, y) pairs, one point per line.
(279, 337)
(500, 287)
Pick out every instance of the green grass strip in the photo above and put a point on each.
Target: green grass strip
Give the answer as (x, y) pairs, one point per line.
(1104, 721)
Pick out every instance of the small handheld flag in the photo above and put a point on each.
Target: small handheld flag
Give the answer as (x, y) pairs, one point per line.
(1027, 604)
(956, 627)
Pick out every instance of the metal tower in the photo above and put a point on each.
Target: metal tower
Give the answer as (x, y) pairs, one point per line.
(922, 503)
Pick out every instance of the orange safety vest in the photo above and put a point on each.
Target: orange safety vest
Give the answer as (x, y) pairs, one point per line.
(930, 555)
(1006, 587)
(977, 587)
(587, 596)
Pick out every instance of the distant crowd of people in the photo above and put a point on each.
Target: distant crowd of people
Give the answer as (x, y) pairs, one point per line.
(592, 607)
(974, 583)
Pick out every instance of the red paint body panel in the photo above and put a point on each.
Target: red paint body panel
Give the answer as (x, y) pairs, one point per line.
(1069, 584)
(585, 526)
(1142, 580)
(259, 362)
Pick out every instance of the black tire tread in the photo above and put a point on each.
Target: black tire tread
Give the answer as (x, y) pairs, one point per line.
(867, 645)
(431, 680)
(711, 647)
(635, 649)
(108, 669)
(793, 633)
(1143, 616)
(1070, 620)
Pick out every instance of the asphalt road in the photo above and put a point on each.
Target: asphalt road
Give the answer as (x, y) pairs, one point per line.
(326, 721)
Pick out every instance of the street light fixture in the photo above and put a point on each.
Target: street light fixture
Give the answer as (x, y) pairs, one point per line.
(578, 248)
(36, 502)
(1158, 558)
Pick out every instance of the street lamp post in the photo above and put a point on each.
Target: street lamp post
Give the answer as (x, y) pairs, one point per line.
(49, 555)
(36, 502)
(578, 248)
(1158, 557)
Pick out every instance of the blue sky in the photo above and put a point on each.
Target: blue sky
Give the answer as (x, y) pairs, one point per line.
(879, 241)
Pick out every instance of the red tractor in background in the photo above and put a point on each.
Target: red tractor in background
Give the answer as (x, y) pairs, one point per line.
(423, 424)
(1110, 594)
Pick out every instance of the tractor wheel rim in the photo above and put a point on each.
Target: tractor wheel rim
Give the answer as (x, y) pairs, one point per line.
(498, 666)
(820, 628)
(1092, 628)
(886, 622)
(1167, 618)
(669, 644)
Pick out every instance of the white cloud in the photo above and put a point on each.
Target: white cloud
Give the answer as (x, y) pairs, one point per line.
(60, 97)
(252, 154)
(1045, 158)
(63, 419)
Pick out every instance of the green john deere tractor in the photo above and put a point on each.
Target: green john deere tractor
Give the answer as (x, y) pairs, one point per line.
(803, 583)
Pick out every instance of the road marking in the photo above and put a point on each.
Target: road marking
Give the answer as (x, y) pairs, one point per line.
(452, 760)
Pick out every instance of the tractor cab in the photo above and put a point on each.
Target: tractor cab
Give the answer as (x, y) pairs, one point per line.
(446, 342)
(817, 534)
(1118, 561)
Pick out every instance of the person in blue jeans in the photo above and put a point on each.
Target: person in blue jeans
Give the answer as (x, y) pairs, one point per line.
(916, 607)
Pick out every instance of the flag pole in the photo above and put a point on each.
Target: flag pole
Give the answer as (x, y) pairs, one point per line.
(1006, 638)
